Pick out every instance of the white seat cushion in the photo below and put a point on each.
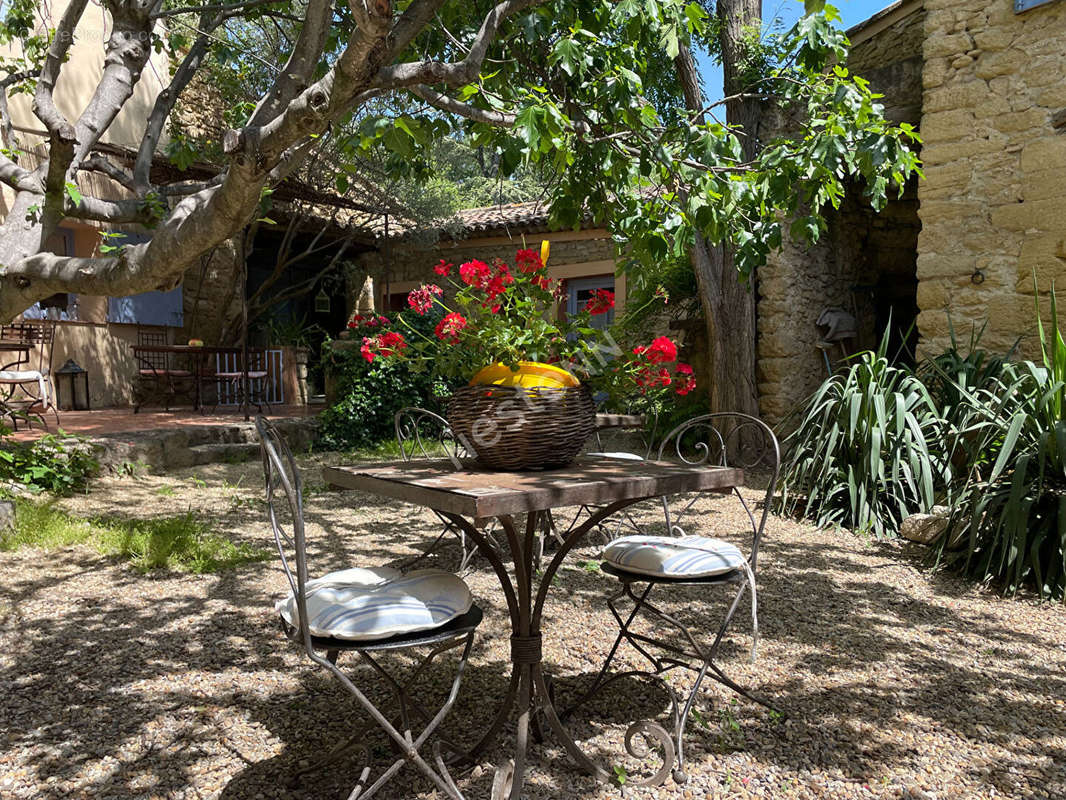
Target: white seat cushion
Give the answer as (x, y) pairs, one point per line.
(674, 557)
(367, 604)
(618, 454)
(20, 375)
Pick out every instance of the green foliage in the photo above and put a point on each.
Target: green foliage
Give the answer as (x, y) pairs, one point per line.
(185, 542)
(600, 125)
(370, 394)
(864, 454)
(58, 463)
(1011, 517)
(988, 436)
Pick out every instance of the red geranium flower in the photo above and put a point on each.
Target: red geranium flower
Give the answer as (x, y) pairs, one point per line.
(385, 344)
(475, 273)
(444, 268)
(660, 351)
(421, 299)
(685, 381)
(601, 302)
(528, 261)
(448, 329)
(499, 282)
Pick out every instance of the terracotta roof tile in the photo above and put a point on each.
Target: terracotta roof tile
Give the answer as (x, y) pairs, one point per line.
(533, 214)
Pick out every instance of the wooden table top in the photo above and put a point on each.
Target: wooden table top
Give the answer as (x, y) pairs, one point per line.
(477, 492)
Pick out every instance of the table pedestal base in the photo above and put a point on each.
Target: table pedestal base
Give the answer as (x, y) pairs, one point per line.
(530, 690)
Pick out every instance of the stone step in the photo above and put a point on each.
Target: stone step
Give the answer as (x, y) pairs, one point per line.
(223, 453)
(181, 446)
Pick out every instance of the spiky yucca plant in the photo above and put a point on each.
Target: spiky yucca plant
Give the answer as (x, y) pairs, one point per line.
(1013, 506)
(866, 451)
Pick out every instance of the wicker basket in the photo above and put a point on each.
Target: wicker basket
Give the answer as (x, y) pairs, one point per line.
(513, 428)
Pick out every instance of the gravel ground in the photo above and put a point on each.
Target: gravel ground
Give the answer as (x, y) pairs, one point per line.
(896, 682)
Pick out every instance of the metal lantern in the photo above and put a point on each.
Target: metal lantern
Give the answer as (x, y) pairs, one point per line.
(72, 372)
(322, 302)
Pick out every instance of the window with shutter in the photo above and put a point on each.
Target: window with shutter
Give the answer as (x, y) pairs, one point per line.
(147, 308)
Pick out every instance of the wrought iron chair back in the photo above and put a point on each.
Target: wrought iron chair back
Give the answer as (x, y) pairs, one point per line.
(726, 439)
(154, 361)
(284, 495)
(33, 379)
(423, 434)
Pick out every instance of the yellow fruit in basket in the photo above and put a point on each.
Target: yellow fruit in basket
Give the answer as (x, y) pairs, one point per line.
(530, 374)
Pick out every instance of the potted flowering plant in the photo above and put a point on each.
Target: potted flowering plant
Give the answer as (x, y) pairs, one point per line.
(531, 370)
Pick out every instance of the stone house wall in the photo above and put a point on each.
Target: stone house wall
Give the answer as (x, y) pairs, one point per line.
(865, 262)
(993, 204)
(573, 254)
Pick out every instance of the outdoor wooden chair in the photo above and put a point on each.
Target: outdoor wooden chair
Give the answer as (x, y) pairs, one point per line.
(28, 390)
(368, 611)
(643, 563)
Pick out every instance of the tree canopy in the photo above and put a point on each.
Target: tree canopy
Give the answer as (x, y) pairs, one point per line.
(579, 93)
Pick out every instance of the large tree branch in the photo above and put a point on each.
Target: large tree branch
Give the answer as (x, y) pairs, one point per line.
(43, 100)
(499, 119)
(60, 132)
(164, 105)
(459, 72)
(417, 16)
(302, 61)
(126, 53)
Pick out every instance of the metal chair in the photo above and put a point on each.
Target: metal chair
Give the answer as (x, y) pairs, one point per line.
(369, 612)
(157, 375)
(614, 438)
(35, 384)
(244, 382)
(650, 562)
(423, 434)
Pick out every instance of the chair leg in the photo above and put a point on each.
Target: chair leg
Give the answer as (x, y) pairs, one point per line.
(708, 667)
(405, 741)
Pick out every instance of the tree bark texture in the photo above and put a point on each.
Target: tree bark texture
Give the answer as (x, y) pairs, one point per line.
(728, 305)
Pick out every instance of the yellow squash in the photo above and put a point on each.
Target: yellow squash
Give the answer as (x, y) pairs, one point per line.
(530, 374)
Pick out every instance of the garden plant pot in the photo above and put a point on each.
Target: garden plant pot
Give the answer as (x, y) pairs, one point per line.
(533, 422)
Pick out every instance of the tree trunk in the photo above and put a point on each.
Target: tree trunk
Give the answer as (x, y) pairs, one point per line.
(728, 305)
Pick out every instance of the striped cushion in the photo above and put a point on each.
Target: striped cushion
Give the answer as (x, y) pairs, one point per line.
(367, 604)
(674, 557)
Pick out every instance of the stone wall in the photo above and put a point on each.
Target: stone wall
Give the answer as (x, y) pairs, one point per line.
(993, 204)
(410, 265)
(865, 262)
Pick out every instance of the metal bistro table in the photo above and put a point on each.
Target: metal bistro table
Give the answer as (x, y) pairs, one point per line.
(472, 495)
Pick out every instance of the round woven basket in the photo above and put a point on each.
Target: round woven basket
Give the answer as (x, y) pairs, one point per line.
(516, 427)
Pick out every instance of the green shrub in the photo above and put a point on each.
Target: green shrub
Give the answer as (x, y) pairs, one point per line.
(370, 393)
(59, 463)
(866, 451)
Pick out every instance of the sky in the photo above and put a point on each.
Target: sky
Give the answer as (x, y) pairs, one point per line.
(852, 12)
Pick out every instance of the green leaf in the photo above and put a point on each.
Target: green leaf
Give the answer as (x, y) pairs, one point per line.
(73, 193)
